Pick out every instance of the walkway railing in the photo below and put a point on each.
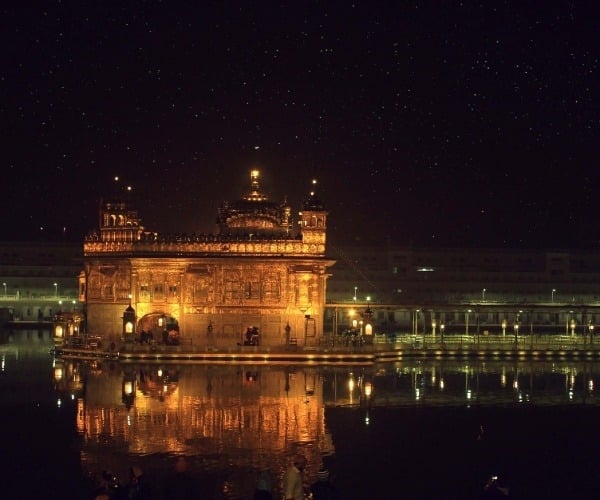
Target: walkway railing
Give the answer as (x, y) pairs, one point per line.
(531, 342)
(484, 342)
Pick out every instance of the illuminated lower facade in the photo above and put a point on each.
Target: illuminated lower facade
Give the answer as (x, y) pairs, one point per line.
(257, 282)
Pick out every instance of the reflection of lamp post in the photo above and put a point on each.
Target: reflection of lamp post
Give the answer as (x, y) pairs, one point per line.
(504, 327)
(351, 386)
(56, 289)
(128, 389)
(553, 292)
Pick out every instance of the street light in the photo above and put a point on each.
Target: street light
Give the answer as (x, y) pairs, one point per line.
(56, 289)
(467, 322)
(504, 323)
(416, 327)
(442, 328)
(4, 284)
(355, 289)
(433, 325)
(573, 324)
(516, 333)
(483, 295)
(553, 292)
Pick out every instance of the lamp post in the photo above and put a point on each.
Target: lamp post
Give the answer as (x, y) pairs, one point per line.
(504, 323)
(442, 328)
(355, 290)
(4, 284)
(433, 325)
(467, 322)
(573, 325)
(353, 321)
(591, 328)
(516, 334)
(56, 289)
(368, 324)
(553, 292)
(483, 295)
(416, 322)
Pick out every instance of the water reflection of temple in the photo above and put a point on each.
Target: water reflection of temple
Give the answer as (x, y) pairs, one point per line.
(226, 416)
(249, 417)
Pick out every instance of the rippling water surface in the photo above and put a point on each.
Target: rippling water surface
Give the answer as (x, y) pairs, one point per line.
(413, 429)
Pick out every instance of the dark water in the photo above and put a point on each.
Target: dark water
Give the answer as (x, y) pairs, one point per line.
(399, 430)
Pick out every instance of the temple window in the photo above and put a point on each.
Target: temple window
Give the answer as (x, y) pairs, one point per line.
(232, 290)
(271, 290)
(158, 291)
(252, 290)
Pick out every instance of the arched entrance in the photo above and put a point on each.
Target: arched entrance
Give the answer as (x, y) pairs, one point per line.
(158, 327)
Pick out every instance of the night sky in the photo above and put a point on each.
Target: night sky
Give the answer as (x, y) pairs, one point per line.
(431, 124)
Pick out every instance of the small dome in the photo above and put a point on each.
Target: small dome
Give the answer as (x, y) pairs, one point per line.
(254, 213)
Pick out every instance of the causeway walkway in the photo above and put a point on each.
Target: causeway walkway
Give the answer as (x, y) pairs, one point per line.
(489, 347)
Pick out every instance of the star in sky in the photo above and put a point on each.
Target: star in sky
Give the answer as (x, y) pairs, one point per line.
(426, 123)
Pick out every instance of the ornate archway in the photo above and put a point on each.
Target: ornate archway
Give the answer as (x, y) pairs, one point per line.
(158, 327)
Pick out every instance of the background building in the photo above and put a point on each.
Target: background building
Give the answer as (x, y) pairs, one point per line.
(237, 279)
(38, 279)
(465, 289)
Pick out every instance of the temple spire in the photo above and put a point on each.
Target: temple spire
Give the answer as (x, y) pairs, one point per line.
(255, 194)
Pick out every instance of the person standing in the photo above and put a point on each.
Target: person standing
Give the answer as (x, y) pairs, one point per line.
(293, 479)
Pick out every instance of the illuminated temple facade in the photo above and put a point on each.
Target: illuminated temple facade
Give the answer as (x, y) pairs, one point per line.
(258, 271)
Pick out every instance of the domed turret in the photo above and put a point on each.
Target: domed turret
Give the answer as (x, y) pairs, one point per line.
(313, 218)
(119, 222)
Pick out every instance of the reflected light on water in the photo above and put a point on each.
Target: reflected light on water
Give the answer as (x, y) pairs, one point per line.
(235, 420)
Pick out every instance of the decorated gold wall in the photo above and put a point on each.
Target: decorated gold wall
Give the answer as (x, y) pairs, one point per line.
(257, 272)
